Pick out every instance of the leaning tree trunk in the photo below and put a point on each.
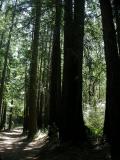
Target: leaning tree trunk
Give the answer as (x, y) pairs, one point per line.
(32, 102)
(112, 113)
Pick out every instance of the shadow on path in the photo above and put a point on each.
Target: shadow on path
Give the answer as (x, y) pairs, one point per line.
(14, 146)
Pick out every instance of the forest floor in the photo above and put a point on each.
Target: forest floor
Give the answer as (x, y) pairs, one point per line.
(14, 146)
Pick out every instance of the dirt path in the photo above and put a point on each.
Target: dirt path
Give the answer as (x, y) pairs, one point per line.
(13, 146)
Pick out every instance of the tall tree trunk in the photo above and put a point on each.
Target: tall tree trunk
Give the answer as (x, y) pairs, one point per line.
(26, 107)
(40, 110)
(66, 127)
(55, 74)
(40, 95)
(72, 128)
(33, 72)
(112, 113)
(44, 88)
(78, 123)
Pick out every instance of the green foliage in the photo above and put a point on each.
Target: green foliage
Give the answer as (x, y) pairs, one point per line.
(95, 120)
(94, 68)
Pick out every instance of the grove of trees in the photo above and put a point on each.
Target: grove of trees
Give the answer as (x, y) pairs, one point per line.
(59, 69)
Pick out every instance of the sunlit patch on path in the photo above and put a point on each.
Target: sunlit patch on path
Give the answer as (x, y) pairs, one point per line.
(13, 146)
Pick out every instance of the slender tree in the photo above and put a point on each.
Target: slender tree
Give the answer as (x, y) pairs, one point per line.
(26, 107)
(10, 116)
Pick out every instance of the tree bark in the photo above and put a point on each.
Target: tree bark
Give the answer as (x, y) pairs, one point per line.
(72, 128)
(112, 113)
(55, 74)
(79, 9)
(3, 120)
(117, 18)
(66, 126)
(32, 102)
(26, 107)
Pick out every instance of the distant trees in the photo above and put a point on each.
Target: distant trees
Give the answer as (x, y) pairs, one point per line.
(14, 43)
(6, 56)
(94, 68)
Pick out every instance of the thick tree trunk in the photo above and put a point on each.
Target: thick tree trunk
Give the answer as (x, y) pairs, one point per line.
(111, 55)
(78, 61)
(112, 114)
(32, 102)
(66, 126)
(117, 17)
(72, 128)
(55, 74)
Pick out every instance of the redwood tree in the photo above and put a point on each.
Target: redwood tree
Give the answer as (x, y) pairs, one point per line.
(32, 98)
(116, 7)
(55, 76)
(112, 114)
(72, 126)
